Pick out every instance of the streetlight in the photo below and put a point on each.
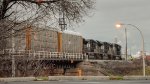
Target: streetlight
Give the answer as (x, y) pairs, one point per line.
(143, 55)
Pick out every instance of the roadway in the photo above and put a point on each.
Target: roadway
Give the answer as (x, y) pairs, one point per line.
(83, 82)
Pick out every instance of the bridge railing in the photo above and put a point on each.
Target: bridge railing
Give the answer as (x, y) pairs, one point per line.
(42, 54)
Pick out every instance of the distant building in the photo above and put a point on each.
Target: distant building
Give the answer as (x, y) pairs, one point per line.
(147, 57)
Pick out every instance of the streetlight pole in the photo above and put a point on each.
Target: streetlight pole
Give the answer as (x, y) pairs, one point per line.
(143, 55)
(126, 52)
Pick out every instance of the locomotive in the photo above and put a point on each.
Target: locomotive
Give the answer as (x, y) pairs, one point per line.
(95, 49)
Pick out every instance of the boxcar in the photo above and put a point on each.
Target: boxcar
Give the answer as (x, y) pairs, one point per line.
(38, 39)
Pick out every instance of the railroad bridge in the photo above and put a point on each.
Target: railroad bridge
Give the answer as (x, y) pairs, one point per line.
(27, 62)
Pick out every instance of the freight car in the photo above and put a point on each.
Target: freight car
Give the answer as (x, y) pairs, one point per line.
(101, 50)
(38, 39)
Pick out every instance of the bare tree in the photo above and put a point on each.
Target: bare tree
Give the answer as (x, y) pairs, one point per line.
(18, 14)
(21, 12)
(73, 10)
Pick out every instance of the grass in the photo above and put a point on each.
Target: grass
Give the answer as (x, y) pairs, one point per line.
(140, 72)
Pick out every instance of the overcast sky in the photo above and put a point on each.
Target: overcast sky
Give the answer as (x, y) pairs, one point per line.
(101, 26)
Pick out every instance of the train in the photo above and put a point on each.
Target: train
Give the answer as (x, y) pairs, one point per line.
(95, 49)
(52, 40)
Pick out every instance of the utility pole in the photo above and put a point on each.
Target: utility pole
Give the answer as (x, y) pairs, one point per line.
(13, 51)
(116, 40)
(62, 22)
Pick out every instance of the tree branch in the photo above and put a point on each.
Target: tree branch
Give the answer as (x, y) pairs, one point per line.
(36, 1)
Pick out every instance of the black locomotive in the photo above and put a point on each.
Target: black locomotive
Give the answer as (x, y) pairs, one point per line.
(97, 50)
